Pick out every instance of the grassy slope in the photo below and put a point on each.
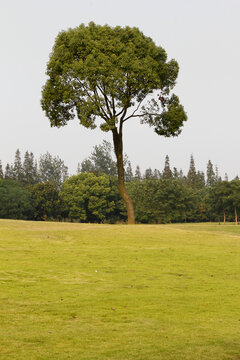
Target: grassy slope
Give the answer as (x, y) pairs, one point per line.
(149, 292)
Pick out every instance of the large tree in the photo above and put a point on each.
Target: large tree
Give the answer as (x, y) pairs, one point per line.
(115, 74)
(167, 172)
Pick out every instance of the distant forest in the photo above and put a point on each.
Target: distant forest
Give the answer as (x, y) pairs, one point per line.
(42, 189)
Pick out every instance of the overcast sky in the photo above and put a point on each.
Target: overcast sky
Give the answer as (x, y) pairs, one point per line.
(203, 36)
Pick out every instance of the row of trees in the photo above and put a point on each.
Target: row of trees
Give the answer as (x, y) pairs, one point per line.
(173, 200)
(101, 161)
(89, 197)
(92, 195)
(52, 169)
(84, 197)
(30, 171)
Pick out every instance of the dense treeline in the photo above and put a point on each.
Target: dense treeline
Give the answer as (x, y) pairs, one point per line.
(42, 190)
(30, 171)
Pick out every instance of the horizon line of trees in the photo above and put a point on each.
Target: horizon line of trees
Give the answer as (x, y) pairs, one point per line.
(43, 190)
(52, 168)
(31, 171)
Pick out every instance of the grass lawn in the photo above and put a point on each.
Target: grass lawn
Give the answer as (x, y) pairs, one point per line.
(117, 292)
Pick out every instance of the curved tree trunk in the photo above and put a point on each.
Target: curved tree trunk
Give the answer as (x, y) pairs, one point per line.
(118, 147)
(236, 216)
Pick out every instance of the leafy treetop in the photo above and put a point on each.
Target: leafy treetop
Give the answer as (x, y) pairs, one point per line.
(103, 72)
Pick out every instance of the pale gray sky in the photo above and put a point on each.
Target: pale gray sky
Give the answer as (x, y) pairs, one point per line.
(203, 36)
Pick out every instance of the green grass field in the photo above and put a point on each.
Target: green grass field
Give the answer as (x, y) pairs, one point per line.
(97, 292)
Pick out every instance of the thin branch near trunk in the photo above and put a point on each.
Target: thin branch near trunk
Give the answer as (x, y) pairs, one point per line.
(94, 98)
(134, 112)
(113, 106)
(107, 102)
(104, 116)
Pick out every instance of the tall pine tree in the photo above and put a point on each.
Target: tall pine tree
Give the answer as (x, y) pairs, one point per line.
(138, 174)
(156, 174)
(30, 173)
(211, 177)
(226, 177)
(192, 174)
(200, 180)
(17, 167)
(9, 173)
(175, 173)
(53, 170)
(148, 174)
(218, 178)
(128, 172)
(167, 172)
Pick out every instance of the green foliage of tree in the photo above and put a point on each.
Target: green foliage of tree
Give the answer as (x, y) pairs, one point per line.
(156, 174)
(114, 74)
(100, 160)
(17, 167)
(15, 201)
(128, 172)
(86, 166)
(138, 174)
(175, 173)
(52, 169)
(148, 174)
(218, 178)
(167, 172)
(219, 199)
(200, 180)
(88, 197)
(9, 173)
(211, 177)
(192, 173)
(160, 201)
(197, 210)
(30, 171)
(45, 201)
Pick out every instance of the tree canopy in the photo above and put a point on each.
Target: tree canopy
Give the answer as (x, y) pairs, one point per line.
(113, 74)
(100, 160)
(88, 197)
(15, 201)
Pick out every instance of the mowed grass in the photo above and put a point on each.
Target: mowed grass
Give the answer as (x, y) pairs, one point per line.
(96, 292)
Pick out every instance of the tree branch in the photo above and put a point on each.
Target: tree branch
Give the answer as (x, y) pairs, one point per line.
(103, 115)
(95, 99)
(121, 111)
(106, 100)
(113, 106)
(134, 112)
